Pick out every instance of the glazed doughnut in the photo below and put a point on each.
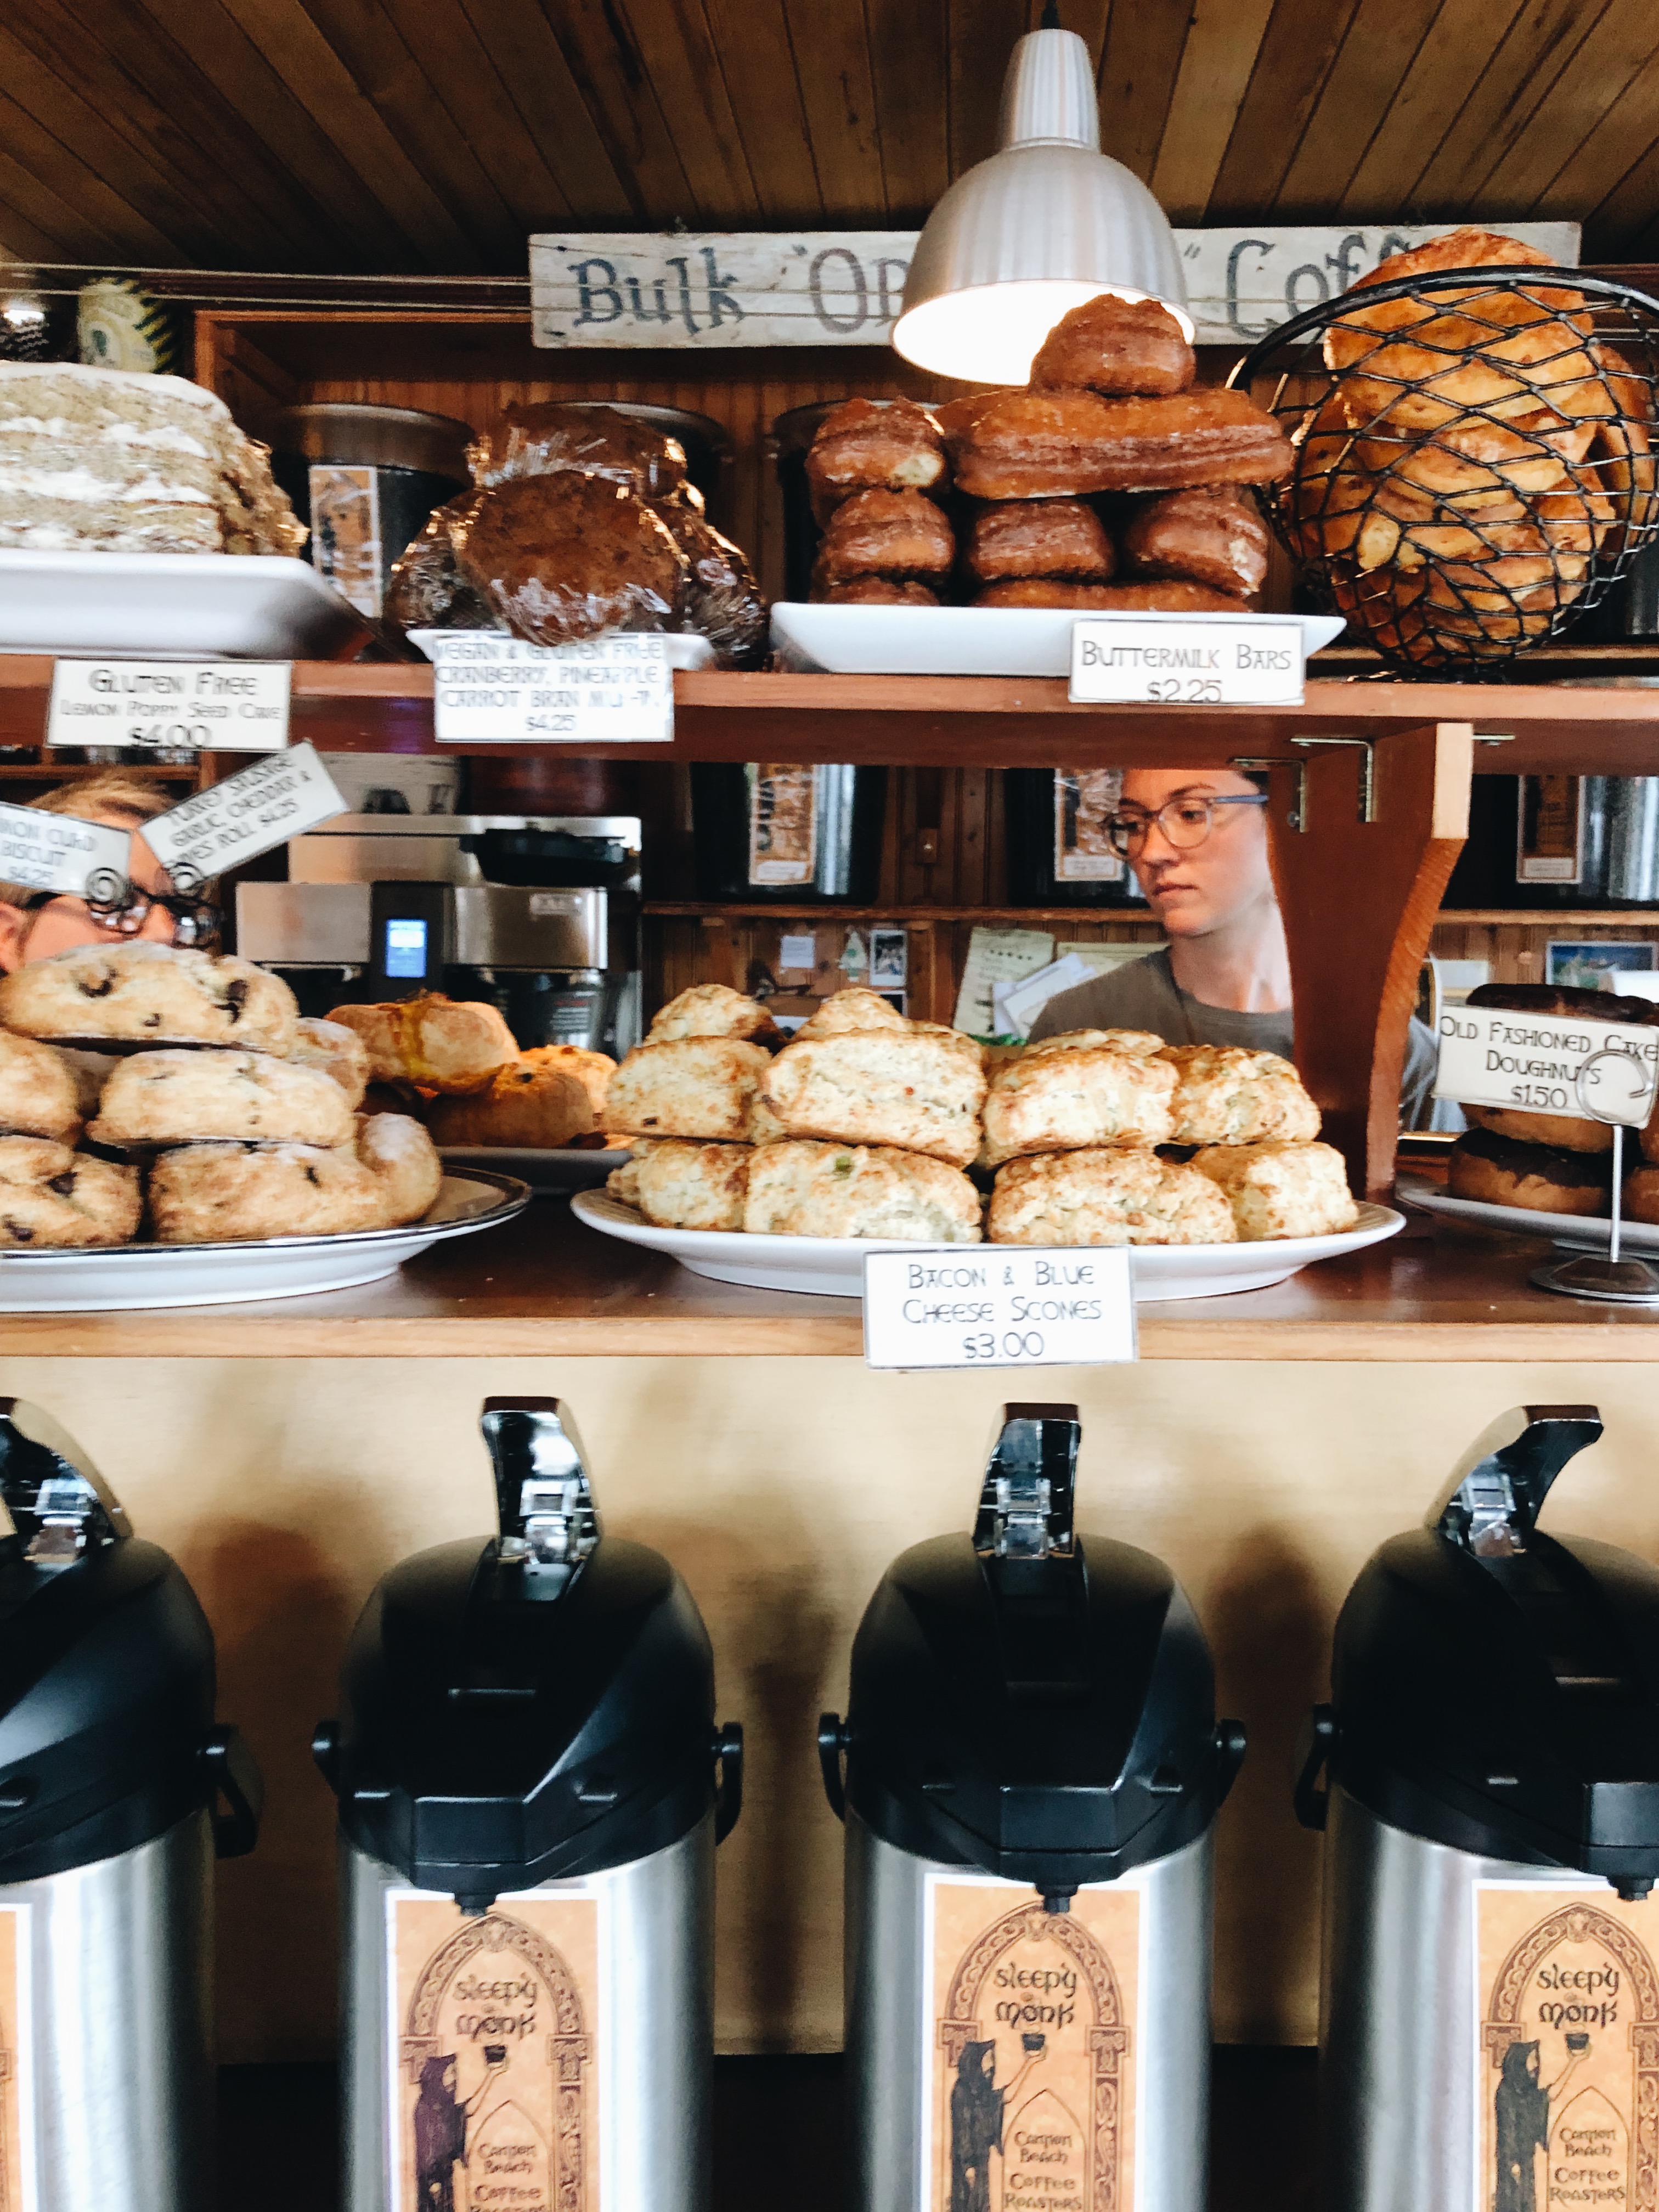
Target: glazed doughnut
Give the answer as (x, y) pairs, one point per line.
(1538, 1178)
(864, 443)
(885, 533)
(1113, 346)
(878, 592)
(1034, 445)
(1213, 534)
(1038, 537)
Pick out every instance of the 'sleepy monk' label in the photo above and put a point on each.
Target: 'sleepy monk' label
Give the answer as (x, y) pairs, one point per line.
(18, 2187)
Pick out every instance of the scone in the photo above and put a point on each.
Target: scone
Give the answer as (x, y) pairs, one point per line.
(52, 1197)
(914, 1088)
(857, 1008)
(437, 1043)
(146, 993)
(1108, 1194)
(1142, 1042)
(40, 1092)
(622, 1183)
(1056, 1100)
(1539, 1178)
(1227, 1095)
(531, 1102)
(338, 1051)
(191, 1097)
(233, 1193)
(1281, 1189)
(592, 1070)
(715, 1010)
(681, 1184)
(707, 1087)
(805, 1190)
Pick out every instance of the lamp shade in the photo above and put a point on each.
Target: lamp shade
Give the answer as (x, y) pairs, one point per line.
(1047, 222)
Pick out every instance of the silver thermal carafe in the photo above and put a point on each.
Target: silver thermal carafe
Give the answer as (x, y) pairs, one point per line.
(111, 1771)
(1032, 1771)
(536, 914)
(525, 1761)
(1489, 2016)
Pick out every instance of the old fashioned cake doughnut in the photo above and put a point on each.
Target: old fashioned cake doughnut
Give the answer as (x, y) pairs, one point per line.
(713, 1010)
(1112, 346)
(915, 1088)
(879, 592)
(149, 994)
(432, 1042)
(1092, 1095)
(1228, 1095)
(1112, 1194)
(1538, 1178)
(40, 1090)
(51, 1197)
(1212, 534)
(867, 444)
(1045, 591)
(885, 533)
(807, 1190)
(180, 1097)
(1281, 1189)
(693, 1086)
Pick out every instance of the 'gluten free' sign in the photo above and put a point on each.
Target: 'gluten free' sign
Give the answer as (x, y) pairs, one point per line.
(1548, 1064)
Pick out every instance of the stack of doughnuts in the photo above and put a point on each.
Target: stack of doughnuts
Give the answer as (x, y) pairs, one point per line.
(1553, 1163)
(1110, 482)
(864, 1125)
(1474, 451)
(213, 1110)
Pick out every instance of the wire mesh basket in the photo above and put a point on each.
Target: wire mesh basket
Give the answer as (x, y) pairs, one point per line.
(1477, 456)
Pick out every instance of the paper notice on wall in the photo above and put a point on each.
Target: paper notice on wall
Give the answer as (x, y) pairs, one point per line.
(56, 852)
(247, 815)
(997, 956)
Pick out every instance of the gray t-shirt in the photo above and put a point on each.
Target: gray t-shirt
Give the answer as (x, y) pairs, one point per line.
(1144, 994)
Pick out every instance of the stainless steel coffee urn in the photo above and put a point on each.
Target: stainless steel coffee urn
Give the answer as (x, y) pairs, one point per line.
(1032, 1768)
(527, 1764)
(1489, 2019)
(111, 1771)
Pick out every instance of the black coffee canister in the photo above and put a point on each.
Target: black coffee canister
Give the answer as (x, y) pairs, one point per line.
(364, 479)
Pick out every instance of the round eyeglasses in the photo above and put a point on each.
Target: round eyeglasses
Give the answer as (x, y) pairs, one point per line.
(1184, 823)
(195, 920)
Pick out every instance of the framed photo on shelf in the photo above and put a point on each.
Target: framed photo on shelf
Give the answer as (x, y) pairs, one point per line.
(1585, 966)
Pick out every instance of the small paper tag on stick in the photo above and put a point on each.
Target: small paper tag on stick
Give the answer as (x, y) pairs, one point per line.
(248, 814)
(57, 853)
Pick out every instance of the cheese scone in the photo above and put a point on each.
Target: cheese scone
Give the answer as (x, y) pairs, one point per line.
(1227, 1095)
(916, 1089)
(857, 1008)
(1051, 1102)
(1108, 1194)
(695, 1086)
(800, 1188)
(1281, 1189)
(713, 1010)
(681, 1184)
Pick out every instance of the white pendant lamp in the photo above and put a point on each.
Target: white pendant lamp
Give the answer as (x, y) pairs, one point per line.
(1047, 222)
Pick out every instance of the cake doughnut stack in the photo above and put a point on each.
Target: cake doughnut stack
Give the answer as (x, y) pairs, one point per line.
(215, 1113)
(1112, 1136)
(1112, 481)
(860, 1127)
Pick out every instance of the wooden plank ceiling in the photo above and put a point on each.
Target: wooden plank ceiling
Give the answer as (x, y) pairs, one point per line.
(408, 135)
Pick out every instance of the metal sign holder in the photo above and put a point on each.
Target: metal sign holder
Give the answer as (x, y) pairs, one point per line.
(1614, 1281)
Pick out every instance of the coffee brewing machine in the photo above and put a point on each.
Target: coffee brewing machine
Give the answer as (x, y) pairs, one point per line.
(538, 914)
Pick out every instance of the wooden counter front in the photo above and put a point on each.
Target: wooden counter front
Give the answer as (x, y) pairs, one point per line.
(546, 1285)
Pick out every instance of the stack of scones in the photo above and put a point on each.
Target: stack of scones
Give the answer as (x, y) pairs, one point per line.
(212, 1112)
(866, 1124)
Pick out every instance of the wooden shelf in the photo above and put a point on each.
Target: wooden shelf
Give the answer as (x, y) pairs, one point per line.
(48, 771)
(1544, 917)
(545, 1286)
(983, 721)
(827, 912)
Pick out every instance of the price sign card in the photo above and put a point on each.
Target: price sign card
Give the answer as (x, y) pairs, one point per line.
(56, 852)
(998, 1305)
(1190, 660)
(247, 815)
(1548, 1063)
(218, 706)
(491, 690)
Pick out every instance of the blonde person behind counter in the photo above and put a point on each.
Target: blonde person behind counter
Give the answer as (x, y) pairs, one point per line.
(1197, 840)
(34, 925)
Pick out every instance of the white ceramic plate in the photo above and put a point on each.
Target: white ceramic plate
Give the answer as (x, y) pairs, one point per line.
(1582, 1233)
(953, 640)
(833, 1266)
(549, 1172)
(124, 1277)
(167, 606)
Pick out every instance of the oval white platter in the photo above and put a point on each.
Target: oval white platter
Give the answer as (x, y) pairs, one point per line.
(124, 1278)
(168, 607)
(833, 1266)
(1583, 1232)
(953, 640)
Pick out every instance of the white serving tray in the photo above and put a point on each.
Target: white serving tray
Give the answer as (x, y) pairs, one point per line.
(127, 1278)
(955, 641)
(173, 606)
(833, 1266)
(1583, 1232)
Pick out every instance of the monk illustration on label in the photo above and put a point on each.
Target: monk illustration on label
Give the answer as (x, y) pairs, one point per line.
(978, 2103)
(1523, 2115)
(441, 2118)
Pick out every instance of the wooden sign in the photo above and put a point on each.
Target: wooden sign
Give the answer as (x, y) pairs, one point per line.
(718, 288)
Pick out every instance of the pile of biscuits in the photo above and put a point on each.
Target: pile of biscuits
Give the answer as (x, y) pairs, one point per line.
(1474, 451)
(1554, 1162)
(1110, 482)
(866, 1124)
(212, 1112)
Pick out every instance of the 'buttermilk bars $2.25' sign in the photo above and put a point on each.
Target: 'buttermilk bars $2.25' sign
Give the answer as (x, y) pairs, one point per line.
(1547, 1063)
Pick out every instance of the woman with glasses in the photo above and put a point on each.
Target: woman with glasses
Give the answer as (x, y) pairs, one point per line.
(34, 925)
(1197, 840)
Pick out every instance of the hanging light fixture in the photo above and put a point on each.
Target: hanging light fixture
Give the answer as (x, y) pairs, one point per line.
(1047, 222)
